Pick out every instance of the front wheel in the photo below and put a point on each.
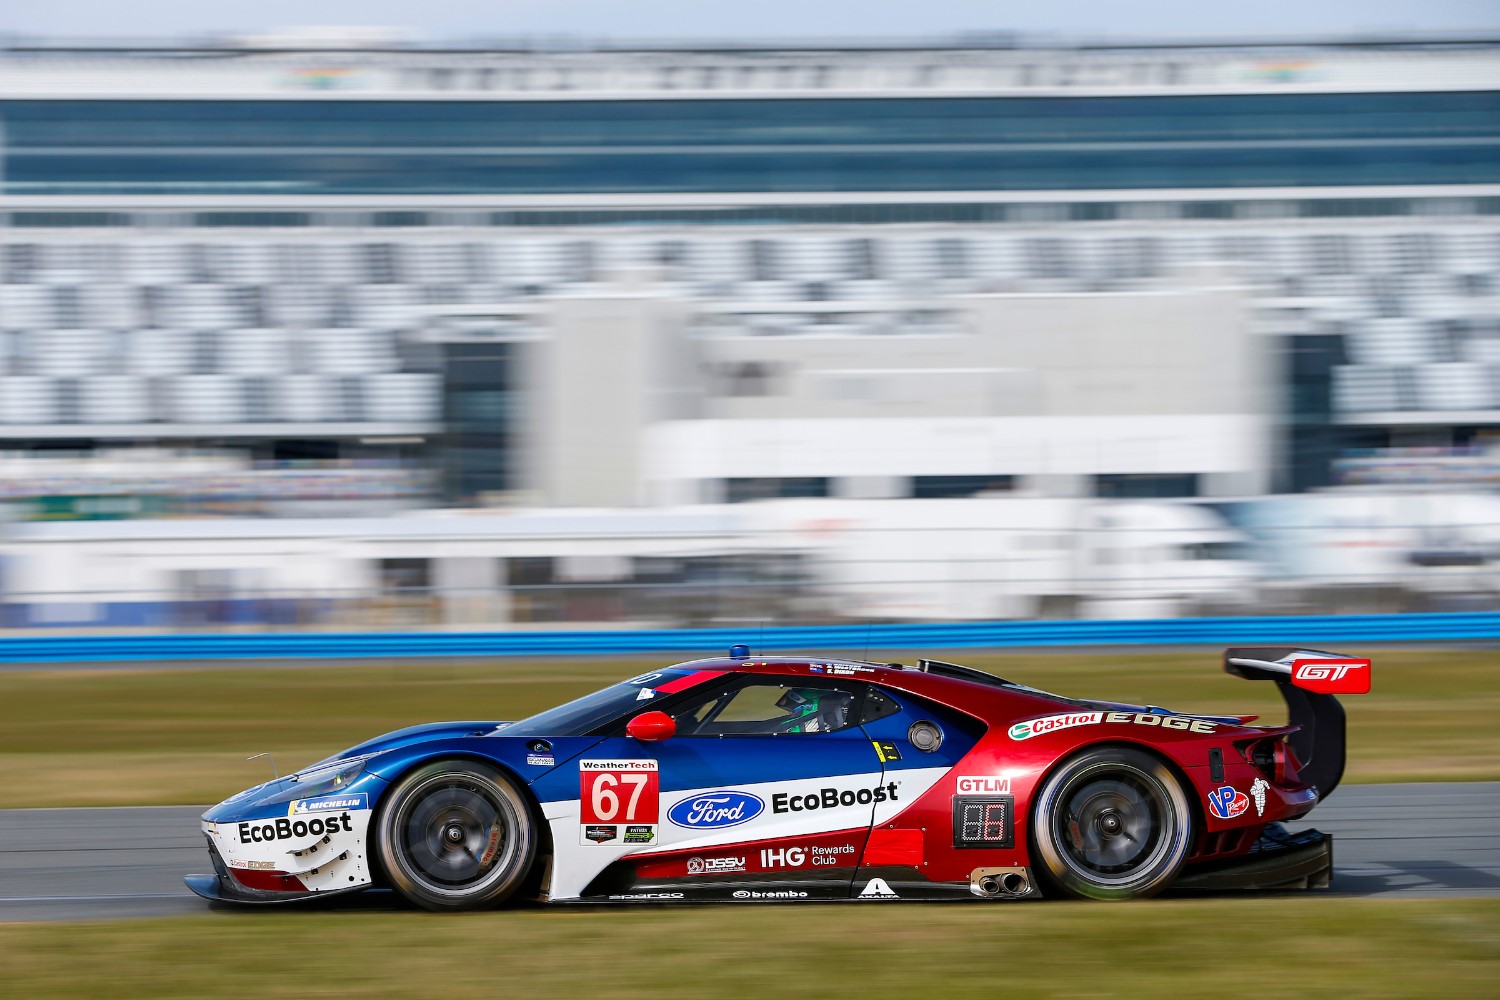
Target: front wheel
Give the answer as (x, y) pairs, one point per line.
(1113, 824)
(455, 835)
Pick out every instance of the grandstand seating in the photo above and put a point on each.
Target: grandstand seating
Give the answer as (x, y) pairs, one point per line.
(240, 326)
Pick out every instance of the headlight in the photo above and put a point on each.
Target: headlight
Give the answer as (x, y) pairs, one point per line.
(320, 779)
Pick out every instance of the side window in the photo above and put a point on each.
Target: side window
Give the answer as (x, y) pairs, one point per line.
(770, 708)
(877, 706)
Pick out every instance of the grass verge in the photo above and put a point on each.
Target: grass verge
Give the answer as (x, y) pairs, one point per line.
(161, 737)
(1300, 947)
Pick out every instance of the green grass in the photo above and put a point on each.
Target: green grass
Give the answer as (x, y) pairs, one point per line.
(157, 737)
(1296, 947)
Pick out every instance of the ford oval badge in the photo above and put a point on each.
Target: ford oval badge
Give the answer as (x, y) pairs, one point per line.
(713, 810)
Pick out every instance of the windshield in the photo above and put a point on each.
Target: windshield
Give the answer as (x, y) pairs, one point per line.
(583, 715)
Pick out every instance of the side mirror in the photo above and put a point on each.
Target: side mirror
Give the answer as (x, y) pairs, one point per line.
(651, 727)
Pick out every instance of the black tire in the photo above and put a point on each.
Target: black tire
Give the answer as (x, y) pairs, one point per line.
(1111, 823)
(456, 835)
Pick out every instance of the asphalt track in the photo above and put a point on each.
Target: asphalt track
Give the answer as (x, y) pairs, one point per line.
(1417, 840)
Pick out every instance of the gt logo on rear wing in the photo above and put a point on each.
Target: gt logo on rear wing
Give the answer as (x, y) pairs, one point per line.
(1347, 676)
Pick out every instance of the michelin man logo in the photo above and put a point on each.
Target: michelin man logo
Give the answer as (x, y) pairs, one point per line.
(1258, 792)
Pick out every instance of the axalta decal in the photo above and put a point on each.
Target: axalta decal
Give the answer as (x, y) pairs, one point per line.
(832, 798)
(286, 829)
(1052, 723)
(714, 810)
(331, 803)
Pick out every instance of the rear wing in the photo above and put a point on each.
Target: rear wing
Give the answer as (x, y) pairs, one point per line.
(1319, 740)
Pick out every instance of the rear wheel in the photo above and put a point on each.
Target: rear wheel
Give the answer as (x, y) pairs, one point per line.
(456, 835)
(1111, 823)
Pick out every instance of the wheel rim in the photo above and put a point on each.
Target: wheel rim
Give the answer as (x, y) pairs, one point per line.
(1113, 824)
(456, 834)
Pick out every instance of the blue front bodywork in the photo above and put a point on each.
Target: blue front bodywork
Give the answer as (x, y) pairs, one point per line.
(396, 752)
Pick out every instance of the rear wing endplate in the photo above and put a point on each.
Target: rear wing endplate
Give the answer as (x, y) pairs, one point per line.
(1319, 741)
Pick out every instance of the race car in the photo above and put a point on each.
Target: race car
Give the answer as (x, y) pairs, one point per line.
(752, 779)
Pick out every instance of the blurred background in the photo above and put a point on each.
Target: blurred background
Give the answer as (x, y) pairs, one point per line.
(337, 328)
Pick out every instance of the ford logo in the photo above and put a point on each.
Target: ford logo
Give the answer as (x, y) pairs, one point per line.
(711, 810)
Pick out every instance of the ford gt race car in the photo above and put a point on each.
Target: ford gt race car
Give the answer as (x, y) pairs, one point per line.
(796, 778)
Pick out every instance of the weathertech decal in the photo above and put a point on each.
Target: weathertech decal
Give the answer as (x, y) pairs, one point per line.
(1349, 676)
(613, 793)
(1052, 723)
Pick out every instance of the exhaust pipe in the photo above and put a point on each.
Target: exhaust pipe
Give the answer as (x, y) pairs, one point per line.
(1008, 883)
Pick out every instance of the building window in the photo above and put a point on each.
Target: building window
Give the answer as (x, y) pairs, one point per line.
(23, 261)
(765, 260)
(952, 258)
(1146, 486)
(381, 265)
(578, 261)
(861, 259)
(69, 307)
(769, 488)
(937, 487)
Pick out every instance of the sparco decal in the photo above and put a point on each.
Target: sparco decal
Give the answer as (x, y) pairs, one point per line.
(984, 786)
(649, 895)
(713, 810)
(832, 798)
(1052, 723)
(285, 829)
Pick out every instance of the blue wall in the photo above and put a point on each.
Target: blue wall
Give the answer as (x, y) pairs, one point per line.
(1312, 630)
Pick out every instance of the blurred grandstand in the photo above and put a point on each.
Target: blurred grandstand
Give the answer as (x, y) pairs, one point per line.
(248, 280)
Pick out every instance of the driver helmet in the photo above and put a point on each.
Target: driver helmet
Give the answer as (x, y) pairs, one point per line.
(817, 710)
